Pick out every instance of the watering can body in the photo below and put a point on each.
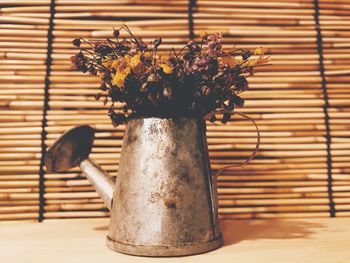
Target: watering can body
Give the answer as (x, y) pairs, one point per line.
(164, 201)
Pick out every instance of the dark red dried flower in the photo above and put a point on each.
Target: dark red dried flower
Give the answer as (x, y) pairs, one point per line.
(103, 49)
(76, 42)
(157, 42)
(116, 33)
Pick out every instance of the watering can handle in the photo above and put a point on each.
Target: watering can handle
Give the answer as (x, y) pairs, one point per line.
(220, 171)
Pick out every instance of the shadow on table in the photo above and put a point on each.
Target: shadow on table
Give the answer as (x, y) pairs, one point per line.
(235, 231)
(102, 228)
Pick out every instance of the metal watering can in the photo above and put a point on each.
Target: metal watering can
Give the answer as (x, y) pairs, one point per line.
(164, 201)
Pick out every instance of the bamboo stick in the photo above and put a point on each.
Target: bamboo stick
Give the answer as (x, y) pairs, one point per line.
(19, 216)
(274, 215)
(74, 214)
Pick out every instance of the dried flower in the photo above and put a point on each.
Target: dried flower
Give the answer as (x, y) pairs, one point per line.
(259, 51)
(117, 118)
(157, 42)
(120, 76)
(197, 80)
(79, 62)
(166, 68)
(76, 42)
(102, 48)
(246, 54)
(116, 33)
(203, 34)
(103, 86)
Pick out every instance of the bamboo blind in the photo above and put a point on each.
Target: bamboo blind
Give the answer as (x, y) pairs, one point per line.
(301, 102)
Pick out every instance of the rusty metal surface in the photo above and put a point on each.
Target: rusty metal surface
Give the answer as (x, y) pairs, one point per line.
(165, 251)
(164, 202)
(70, 149)
(102, 182)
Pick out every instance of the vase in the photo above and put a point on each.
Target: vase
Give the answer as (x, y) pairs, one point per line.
(165, 201)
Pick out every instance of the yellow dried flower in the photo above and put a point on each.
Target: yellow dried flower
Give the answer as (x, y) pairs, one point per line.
(120, 75)
(116, 63)
(135, 60)
(259, 51)
(166, 68)
(136, 64)
(203, 34)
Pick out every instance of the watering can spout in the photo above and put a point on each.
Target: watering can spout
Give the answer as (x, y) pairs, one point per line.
(103, 184)
(72, 149)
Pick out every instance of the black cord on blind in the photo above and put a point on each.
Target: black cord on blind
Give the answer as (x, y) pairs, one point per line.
(191, 6)
(319, 39)
(45, 109)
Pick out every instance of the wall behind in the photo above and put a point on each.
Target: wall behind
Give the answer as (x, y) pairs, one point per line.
(301, 102)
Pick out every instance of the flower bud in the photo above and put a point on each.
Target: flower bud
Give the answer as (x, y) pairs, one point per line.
(157, 42)
(204, 34)
(76, 42)
(246, 54)
(116, 33)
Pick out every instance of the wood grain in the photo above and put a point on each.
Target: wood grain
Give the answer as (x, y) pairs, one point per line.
(282, 240)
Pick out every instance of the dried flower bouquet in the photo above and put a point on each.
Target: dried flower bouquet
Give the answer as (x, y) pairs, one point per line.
(200, 78)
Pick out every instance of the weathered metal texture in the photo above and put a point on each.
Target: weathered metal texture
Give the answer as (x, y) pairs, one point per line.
(165, 201)
(70, 149)
(101, 181)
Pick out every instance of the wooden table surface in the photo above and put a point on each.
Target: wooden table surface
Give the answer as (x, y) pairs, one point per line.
(83, 240)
